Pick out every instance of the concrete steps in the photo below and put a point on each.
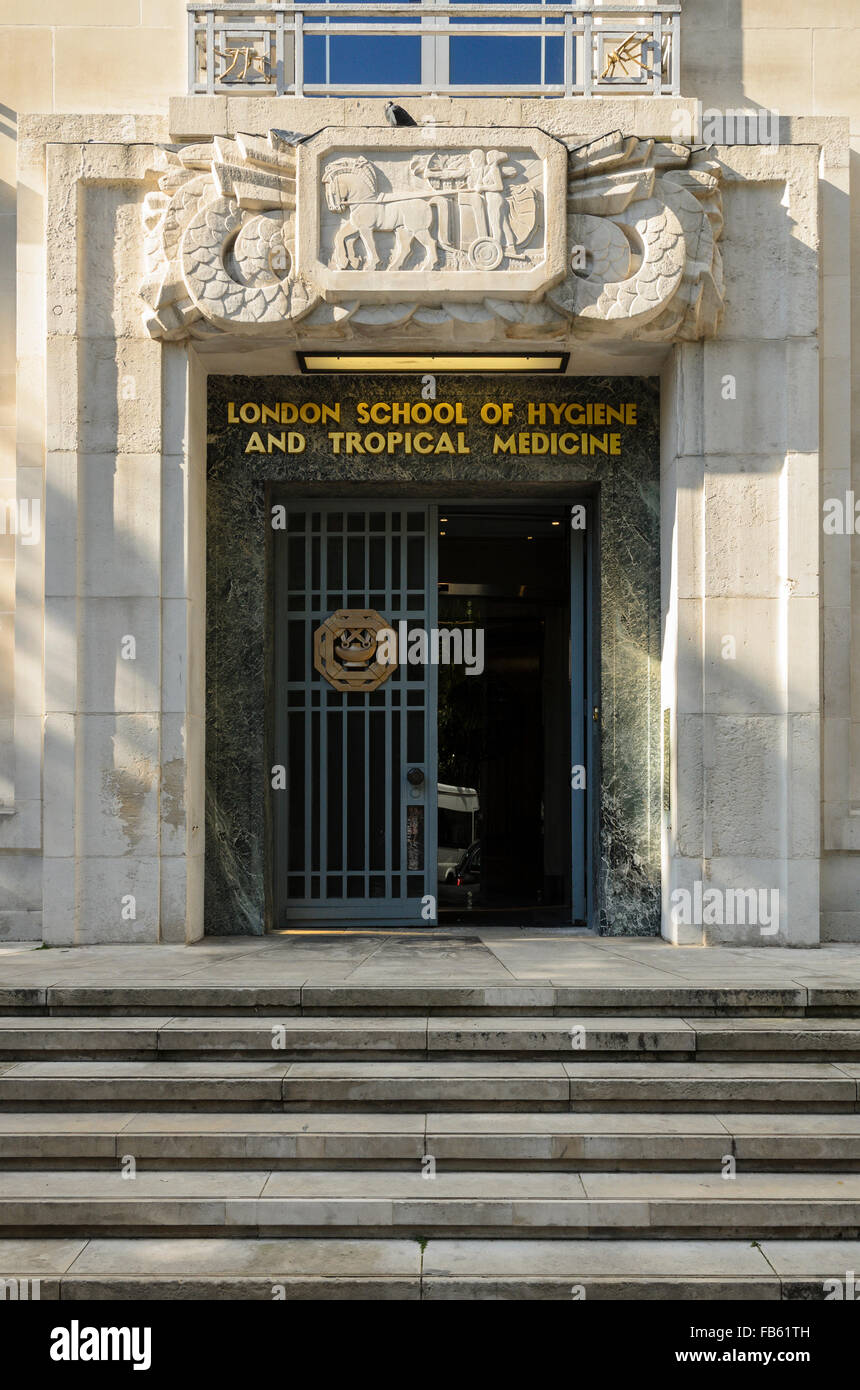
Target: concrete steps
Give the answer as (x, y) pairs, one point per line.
(337, 1269)
(458, 1142)
(436, 1142)
(830, 999)
(258, 1202)
(417, 1086)
(431, 1037)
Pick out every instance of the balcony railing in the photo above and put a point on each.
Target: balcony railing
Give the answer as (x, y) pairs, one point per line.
(424, 47)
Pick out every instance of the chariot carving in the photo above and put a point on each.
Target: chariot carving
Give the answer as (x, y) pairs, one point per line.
(462, 209)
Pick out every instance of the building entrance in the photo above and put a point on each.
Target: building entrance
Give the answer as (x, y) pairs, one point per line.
(430, 713)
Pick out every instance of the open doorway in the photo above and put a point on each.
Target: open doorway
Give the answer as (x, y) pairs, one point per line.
(504, 730)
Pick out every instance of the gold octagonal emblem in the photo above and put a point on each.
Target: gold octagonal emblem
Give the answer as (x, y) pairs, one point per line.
(346, 647)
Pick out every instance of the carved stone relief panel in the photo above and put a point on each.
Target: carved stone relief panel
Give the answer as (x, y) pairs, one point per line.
(435, 233)
(463, 213)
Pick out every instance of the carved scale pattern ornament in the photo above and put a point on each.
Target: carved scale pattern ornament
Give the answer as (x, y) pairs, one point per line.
(220, 241)
(643, 262)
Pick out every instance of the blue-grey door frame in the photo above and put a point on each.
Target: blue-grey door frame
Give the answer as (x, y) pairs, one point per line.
(584, 701)
(583, 778)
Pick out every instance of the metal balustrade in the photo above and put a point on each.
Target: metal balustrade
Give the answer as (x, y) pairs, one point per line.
(417, 48)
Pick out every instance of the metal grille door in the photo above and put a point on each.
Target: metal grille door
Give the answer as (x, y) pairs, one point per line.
(354, 809)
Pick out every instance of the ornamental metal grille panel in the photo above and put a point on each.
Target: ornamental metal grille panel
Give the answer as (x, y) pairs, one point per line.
(353, 837)
(539, 48)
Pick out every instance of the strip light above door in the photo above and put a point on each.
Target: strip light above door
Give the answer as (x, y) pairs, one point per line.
(542, 362)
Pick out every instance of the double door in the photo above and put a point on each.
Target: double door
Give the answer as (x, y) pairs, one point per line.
(354, 712)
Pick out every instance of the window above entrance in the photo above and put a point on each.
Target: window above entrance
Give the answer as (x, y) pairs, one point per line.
(425, 47)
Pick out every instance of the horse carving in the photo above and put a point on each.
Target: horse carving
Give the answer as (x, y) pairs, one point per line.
(352, 187)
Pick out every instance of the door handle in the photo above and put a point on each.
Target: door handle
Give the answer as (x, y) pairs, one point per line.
(415, 777)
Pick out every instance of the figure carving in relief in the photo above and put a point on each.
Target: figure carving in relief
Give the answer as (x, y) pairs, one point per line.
(477, 224)
(486, 177)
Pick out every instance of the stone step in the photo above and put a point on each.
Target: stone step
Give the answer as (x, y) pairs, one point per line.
(458, 1142)
(331, 1268)
(260, 1203)
(414, 1038)
(827, 999)
(227, 1086)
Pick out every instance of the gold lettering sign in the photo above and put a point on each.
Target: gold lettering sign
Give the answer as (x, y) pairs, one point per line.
(346, 647)
(400, 429)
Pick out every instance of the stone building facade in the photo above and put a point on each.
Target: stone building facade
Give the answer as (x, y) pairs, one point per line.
(167, 257)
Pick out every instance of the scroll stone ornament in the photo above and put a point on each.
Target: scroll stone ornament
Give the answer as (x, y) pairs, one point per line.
(394, 237)
(649, 216)
(220, 241)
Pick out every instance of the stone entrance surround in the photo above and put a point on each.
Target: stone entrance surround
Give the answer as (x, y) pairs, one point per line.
(125, 308)
(240, 676)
